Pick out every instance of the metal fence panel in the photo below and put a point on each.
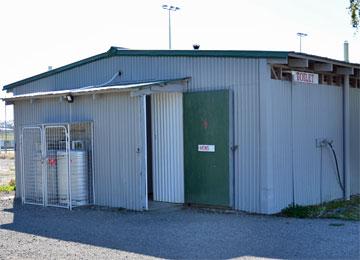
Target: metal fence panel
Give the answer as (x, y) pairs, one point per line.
(57, 169)
(32, 166)
(57, 176)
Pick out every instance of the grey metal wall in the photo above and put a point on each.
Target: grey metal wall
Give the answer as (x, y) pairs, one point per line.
(317, 114)
(168, 147)
(116, 140)
(301, 113)
(355, 141)
(278, 130)
(37, 112)
(239, 75)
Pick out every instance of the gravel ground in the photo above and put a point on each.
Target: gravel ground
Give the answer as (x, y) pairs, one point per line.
(43, 233)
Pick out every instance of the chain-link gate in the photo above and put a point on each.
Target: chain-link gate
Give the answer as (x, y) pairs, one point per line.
(57, 165)
(32, 177)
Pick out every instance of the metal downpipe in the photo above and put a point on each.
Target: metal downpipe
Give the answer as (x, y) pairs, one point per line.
(346, 136)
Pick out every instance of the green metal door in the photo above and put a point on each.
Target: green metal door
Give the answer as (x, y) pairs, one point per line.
(206, 147)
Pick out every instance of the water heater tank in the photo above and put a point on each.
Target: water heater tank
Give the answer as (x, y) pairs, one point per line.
(79, 177)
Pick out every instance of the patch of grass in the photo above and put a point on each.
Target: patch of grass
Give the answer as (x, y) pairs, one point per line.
(337, 209)
(8, 188)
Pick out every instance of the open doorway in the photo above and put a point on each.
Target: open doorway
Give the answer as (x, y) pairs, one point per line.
(164, 136)
(149, 149)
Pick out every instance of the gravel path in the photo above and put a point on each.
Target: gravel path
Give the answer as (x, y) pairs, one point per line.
(43, 233)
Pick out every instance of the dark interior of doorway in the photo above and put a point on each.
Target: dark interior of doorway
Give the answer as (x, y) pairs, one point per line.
(149, 148)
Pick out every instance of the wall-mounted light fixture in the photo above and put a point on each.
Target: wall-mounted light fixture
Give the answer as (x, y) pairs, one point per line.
(69, 98)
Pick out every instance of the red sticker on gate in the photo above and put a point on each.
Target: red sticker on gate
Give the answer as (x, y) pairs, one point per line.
(52, 162)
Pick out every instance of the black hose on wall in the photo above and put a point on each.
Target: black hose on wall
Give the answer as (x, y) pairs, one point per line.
(337, 166)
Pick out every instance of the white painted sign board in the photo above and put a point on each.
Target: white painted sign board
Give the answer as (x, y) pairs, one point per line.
(305, 77)
(207, 148)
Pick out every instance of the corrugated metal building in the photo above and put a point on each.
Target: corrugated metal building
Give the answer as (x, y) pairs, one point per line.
(276, 124)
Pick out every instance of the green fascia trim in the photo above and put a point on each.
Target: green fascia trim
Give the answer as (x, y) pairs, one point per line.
(57, 70)
(114, 51)
(200, 53)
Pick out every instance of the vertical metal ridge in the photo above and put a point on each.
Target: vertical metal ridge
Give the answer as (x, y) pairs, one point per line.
(167, 147)
(355, 141)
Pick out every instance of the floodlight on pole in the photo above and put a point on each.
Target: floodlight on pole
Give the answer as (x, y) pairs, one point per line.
(300, 34)
(170, 8)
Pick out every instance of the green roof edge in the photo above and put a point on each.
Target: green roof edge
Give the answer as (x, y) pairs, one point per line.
(114, 51)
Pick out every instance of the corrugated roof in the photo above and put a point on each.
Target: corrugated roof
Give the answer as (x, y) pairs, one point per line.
(117, 51)
(89, 90)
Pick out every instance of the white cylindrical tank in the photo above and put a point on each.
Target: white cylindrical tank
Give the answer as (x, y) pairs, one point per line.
(79, 177)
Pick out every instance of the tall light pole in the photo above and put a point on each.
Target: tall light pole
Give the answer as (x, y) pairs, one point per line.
(170, 8)
(300, 34)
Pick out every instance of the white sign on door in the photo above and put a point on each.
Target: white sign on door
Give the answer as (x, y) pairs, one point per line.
(208, 148)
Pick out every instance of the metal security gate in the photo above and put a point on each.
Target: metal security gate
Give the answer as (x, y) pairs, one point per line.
(56, 169)
(32, 164)
(57, 178)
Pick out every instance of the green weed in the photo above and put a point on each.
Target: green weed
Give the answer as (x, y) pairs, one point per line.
(337, 209)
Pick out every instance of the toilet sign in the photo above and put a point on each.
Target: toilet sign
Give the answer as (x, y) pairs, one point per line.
(305, 77)
(208, 148)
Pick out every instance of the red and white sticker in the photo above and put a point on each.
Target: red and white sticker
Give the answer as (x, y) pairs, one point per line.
(207, 148)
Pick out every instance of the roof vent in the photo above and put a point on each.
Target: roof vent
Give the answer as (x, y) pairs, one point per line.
(196, 46)
(49, 67)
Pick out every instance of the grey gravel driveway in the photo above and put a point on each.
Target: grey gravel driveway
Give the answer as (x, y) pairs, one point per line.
(42, 233)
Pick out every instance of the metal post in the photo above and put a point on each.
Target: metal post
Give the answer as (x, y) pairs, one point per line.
(169, 30)
(346, 137)
(346, 51)
(22, 168)
(68, 149)
(300, 37)
(92, 162)
(44, 164)
(143, 152)
(169, 9)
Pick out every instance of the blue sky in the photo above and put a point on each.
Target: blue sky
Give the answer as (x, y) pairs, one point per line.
(39, 33)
